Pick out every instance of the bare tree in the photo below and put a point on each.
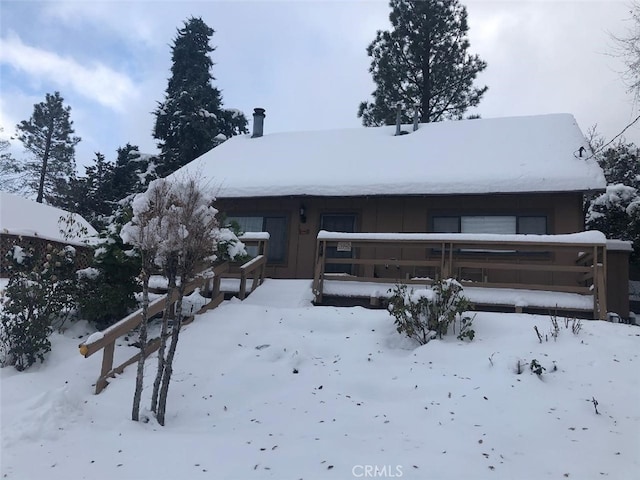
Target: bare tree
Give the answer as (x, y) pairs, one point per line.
(627, 47)
(194, 231)
(174, 227)
(146, 231)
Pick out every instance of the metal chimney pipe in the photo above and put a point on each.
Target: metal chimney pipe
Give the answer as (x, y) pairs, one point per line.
(258, 122)
(398, 118)
(416, 116)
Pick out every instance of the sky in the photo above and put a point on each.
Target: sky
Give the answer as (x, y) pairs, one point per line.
(304, 61)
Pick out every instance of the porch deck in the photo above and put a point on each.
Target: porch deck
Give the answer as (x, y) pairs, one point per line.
(523, 272)
(483, 298)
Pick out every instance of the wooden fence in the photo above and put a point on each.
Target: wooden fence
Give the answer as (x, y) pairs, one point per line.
(573, 263)
(209, 284)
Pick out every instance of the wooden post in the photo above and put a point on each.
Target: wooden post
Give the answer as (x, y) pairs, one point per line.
(318, 271)
(243, 284)
(107, 365)
(602, 295)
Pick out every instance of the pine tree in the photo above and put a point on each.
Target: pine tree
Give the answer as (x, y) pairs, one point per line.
(191, 121)
(422, 63)
(616, 212)
(620, 164)
(48, 135)
(9, 168)
(132, 173)
(91, 196)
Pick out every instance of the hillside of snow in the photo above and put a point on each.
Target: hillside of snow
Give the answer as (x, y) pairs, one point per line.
(274, 388)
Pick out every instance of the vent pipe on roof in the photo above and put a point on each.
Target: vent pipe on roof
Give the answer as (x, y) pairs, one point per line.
(398, 118)
(258, 122)
(416, 116)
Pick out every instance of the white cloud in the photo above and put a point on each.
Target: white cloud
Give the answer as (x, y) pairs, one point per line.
(94, 81)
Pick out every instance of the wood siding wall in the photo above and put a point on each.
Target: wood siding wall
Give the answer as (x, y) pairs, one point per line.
(406, 214)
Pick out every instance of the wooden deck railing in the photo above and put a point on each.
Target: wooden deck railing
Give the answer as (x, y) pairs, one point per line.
(254, 269)
(106, 340)
(574, 263)
(209, 282)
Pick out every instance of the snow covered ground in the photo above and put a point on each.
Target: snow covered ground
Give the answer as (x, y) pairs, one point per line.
(274, 388)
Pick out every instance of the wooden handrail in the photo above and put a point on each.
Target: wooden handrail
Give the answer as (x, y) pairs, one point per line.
(209, 281)
(568, 261)
(256, 268)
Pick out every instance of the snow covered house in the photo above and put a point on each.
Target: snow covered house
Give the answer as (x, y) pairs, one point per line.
(507, 176)
(25, 223)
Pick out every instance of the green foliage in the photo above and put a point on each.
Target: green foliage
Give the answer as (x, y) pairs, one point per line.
(536, 367)
(616, 213)
(228, 245)
(422, 62)
(132, 173)
(95, 195)
(41, 291)
(465, 328)
(191, 120)
(48, 135)
(108, 287)
(91, 196)
(424, 314)
(9, 168)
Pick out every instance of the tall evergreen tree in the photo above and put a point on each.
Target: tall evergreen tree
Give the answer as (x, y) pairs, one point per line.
(48, 135)
(616, 212)
(423, 63)
(132, 172)
(9, 168)
(92, 195)
(191, 121)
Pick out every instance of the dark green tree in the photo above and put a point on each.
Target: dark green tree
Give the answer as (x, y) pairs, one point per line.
(616, 213)
(9, 168)
(132, 172)
(620, 164)
(48, 135)
(108, 289)
(422, 63)
(191, 120)
(92, 195)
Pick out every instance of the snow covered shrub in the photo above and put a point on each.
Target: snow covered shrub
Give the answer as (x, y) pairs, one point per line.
(41, 292)
(108, 287)
(536, 367)
(465, 328)
(616, 213)
(229, 246)
(426, 313)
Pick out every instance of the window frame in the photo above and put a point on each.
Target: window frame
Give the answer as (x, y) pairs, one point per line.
(285, 240)
(517, 218)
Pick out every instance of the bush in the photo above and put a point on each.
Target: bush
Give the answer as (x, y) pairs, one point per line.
(108, 287)
(41, 291)
(426, 313)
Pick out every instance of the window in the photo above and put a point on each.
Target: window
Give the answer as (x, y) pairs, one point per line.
(277, 228)
(532, 225)
(502, 224)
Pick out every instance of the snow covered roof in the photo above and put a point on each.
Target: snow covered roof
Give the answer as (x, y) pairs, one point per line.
(499, 155)
(20, 216)
(592, 237)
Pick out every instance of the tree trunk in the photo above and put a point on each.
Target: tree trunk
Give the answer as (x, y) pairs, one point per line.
(425, 100)
(168, 367)
(135, 413)
(45, 161)
(163, 345)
